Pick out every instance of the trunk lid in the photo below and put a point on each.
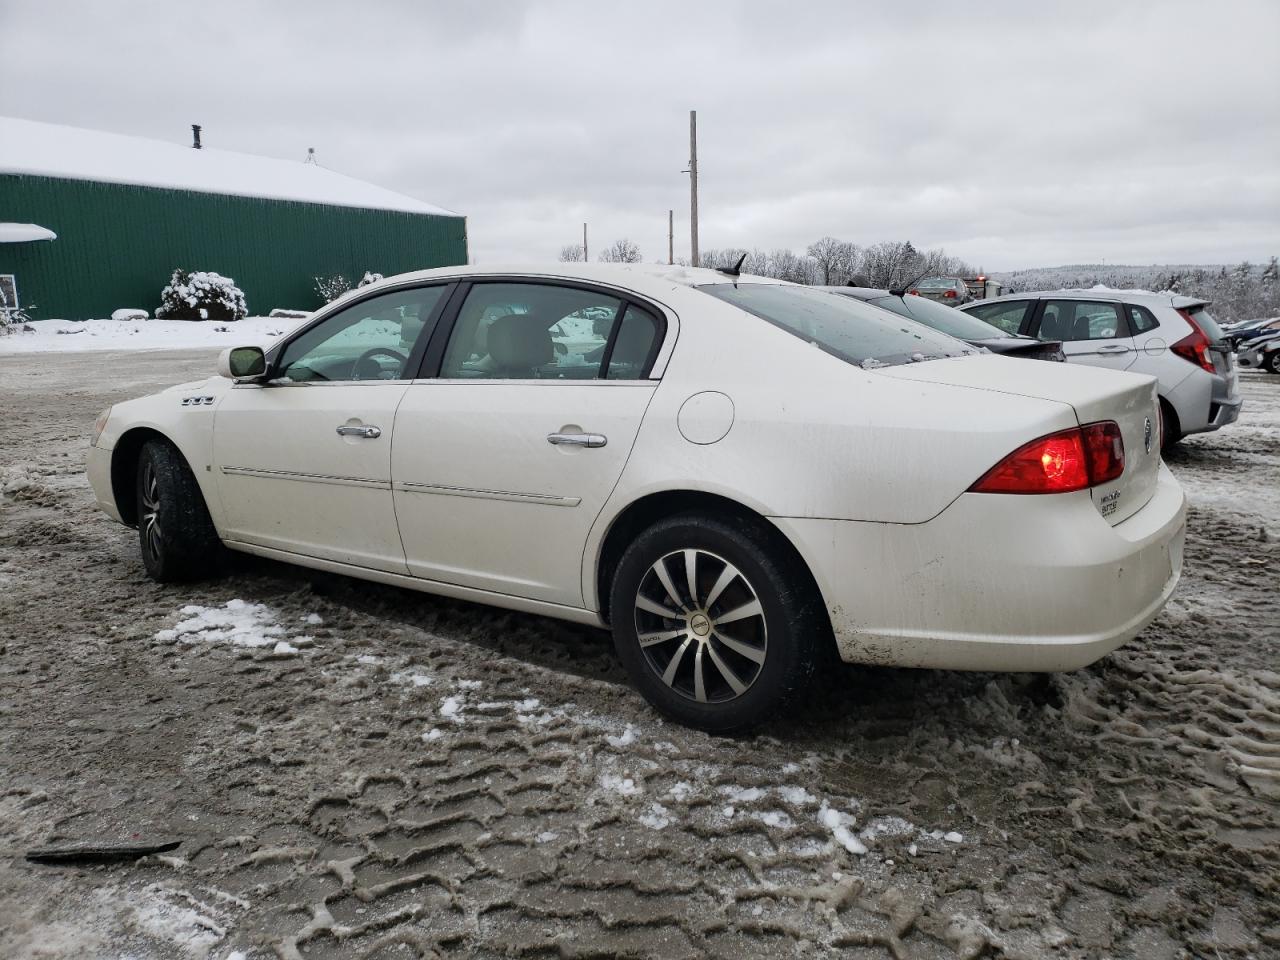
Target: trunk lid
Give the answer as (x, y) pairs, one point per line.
(1094, 393)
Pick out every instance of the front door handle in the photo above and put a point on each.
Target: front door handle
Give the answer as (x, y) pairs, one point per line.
(578, 439)
(367, 433)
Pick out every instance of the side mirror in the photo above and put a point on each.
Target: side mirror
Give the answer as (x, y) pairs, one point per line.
(242, 363)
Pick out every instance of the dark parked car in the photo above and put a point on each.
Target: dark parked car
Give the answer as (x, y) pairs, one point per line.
(954, 323)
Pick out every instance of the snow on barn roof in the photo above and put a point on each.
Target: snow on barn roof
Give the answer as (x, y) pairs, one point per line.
(52, 150)
(25, 233)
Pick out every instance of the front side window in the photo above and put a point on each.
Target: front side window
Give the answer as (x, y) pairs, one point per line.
(542, 331)
(370, 340)
(1074, 320)
(1006, 315)
(849, 329)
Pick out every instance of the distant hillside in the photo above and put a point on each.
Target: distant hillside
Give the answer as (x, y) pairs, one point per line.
(1240, 292)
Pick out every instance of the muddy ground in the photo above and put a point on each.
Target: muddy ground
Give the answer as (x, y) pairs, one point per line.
(412, 777)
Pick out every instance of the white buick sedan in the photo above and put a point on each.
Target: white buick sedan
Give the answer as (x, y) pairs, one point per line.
(737, 476)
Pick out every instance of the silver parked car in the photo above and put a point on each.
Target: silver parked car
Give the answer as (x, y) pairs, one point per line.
(951, 291)
(1172, 338)
(1262, 353)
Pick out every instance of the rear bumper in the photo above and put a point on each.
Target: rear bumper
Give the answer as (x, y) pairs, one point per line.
(997, 582)
(1221, 414)
(1206, 401)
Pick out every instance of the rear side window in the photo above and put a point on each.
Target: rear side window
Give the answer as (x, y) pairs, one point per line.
(546, 331)
(1141, 320)
(1073, 320)
(634, 345)
(854, 331)
(1006, 315)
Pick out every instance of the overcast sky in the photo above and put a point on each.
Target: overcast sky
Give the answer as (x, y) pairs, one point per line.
(1028, 135)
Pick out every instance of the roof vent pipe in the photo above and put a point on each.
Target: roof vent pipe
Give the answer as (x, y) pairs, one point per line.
(195, 136)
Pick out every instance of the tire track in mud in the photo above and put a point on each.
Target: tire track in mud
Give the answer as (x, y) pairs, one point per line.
(428, 778)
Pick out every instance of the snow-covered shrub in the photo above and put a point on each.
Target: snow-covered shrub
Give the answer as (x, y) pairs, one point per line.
(129, 313)
(368, 278)
(331, 288)
(201, 295)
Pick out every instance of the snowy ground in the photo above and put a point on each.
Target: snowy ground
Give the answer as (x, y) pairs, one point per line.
(41, 336)
(355, 770)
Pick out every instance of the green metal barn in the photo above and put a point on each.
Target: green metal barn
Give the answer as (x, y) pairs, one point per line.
(91, 221)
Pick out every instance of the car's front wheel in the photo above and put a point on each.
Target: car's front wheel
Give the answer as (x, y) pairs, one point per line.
(1271, 362)
(175, 532)
(713, 622)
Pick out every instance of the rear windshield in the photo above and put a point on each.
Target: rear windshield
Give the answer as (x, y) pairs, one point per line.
(1204, 320)
(937, 283)
(949, 320)
(849, 329)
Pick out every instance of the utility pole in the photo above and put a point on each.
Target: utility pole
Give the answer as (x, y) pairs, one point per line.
(671, 237)
(693, 188)
(586, 257)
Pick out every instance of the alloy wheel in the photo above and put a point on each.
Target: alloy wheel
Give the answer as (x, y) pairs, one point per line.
(701, 626)
(150, 519)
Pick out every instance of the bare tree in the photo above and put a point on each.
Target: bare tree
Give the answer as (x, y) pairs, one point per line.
(834, 259)
(573, 253)
(621, 251)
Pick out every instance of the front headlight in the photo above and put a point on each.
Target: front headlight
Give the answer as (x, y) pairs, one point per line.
(99, 425)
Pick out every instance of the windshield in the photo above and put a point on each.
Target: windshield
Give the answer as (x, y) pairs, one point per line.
(938, 283)
(947, 319)
(849, 329)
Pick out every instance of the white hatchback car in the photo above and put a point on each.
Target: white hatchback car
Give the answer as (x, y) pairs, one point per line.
(1172, 338)
(736, 475)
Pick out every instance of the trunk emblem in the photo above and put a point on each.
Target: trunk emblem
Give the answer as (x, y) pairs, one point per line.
(1146, 435)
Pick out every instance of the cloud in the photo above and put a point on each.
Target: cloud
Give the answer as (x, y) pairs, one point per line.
(1014, 135)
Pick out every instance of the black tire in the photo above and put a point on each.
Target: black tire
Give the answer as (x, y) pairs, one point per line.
(1170, 428)
(175, 533)
(790, 634)
(1271, 362)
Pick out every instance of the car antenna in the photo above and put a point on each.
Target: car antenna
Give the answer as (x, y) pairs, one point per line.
(902, 291)
(735, 270)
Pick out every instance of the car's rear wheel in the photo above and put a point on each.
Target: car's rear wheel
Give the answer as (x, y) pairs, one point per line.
(175, 532)
(1271, 362)
(715, 627)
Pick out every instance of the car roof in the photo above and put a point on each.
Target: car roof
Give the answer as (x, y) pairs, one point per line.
(651, 279)
(1106, 294)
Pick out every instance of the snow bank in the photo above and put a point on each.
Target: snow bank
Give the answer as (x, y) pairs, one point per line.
(51, 150)
(68, 336)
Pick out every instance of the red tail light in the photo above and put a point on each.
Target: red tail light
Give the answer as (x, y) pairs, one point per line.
(914, 293)
(950, 294)
(1194, 347)
(1104, 450)
(1062, 462)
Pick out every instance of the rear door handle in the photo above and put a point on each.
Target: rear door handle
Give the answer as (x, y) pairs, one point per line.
(1113, 348)
(592, 440)
(367, 433)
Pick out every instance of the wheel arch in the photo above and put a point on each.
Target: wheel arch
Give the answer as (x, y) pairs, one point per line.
(124, 468)
(648, 509)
